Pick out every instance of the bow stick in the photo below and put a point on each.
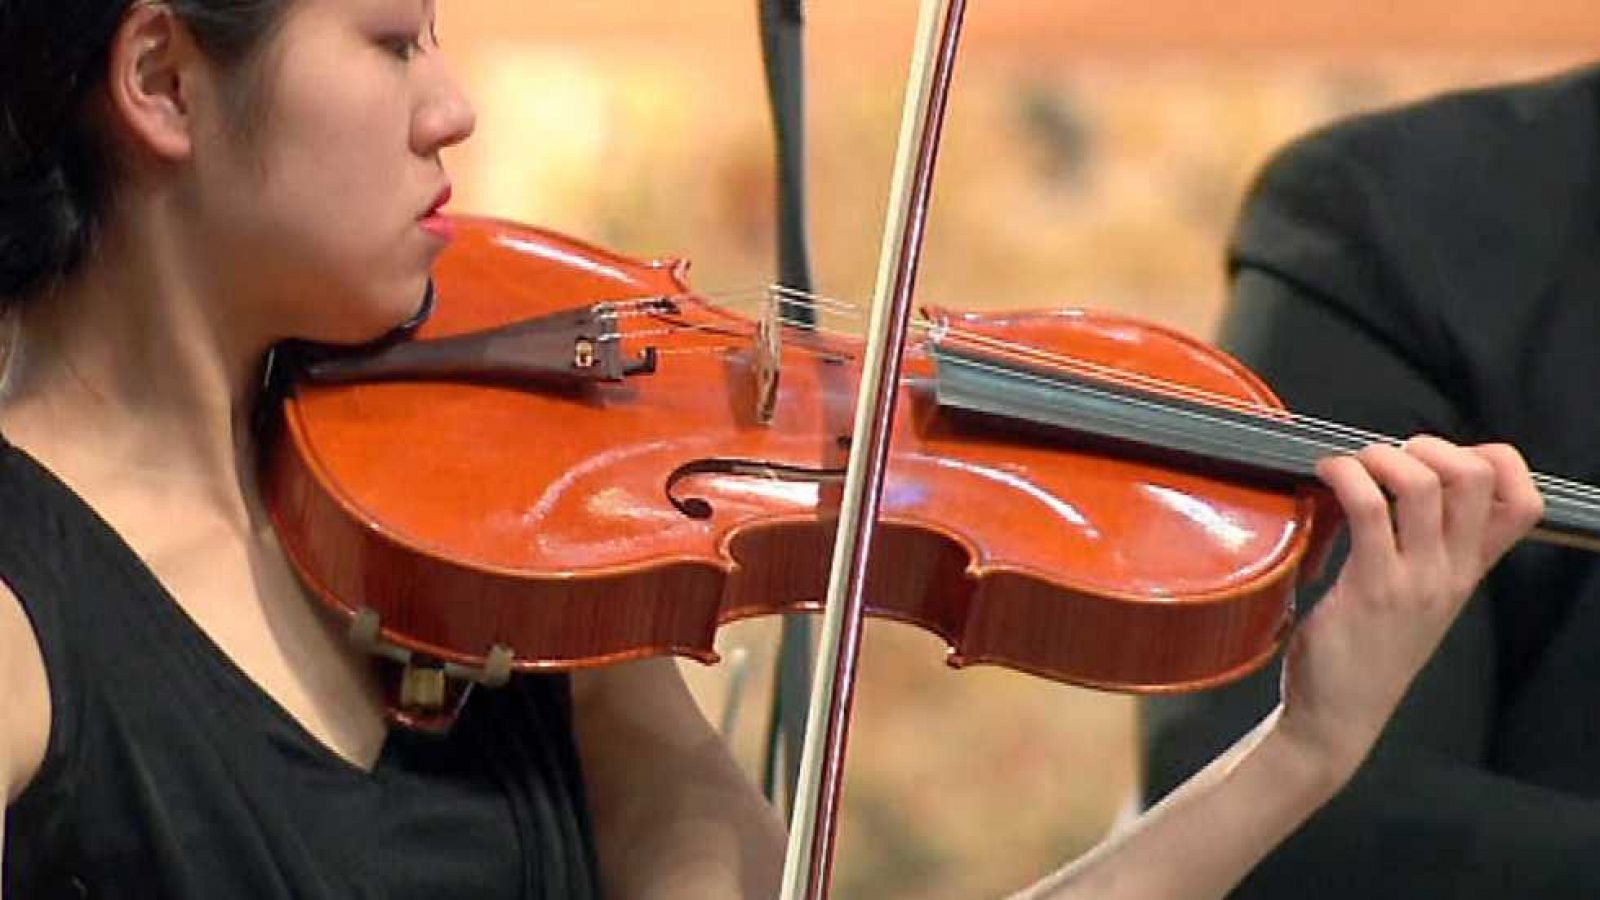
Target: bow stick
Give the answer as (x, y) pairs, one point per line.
(808, 863)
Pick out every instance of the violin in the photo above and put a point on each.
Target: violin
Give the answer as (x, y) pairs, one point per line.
(577, 460)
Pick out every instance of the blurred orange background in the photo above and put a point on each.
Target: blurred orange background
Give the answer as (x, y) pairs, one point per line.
(1094, 155)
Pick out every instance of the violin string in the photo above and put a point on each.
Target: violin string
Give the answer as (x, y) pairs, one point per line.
(1272, 421)
(691, 351)
(1194, 414)
(830, 303)
(1280, 419)
(647, 307)
(1132, 379)
(1323, 432)
(1276, 420)
(644, 308)
(1148, 404)
(634, 307)
(670, 330)
(1319, 432)
(1283, 420)
(1077, 365)
(729, 348)
(1256, 425)
(718, 330)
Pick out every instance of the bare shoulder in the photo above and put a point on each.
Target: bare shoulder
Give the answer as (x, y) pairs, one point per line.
(24, 723)
(653, 681)
(645, 699)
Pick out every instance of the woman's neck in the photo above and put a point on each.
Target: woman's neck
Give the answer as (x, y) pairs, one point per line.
(132, 371)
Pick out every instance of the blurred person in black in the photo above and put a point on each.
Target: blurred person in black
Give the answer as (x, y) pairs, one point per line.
(1436, 268)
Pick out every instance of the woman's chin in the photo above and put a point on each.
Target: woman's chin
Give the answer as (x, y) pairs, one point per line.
(373, 321)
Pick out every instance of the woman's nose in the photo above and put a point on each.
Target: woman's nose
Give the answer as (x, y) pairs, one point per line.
(446, 116)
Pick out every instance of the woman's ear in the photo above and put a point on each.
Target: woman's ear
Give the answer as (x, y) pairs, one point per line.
(151, 81)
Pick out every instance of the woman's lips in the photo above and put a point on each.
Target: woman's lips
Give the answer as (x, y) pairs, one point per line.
(438, 225)
(434, 220)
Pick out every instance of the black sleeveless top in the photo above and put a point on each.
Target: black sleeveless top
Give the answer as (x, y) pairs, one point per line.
(170, 774)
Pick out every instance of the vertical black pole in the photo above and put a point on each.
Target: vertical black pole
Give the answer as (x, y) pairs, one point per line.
(783, 49)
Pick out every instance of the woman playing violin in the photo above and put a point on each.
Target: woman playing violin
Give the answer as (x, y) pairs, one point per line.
(186, 183)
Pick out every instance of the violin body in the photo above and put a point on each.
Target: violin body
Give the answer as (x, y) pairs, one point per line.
(574, 525)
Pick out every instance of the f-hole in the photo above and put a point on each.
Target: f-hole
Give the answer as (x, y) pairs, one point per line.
(700, 508)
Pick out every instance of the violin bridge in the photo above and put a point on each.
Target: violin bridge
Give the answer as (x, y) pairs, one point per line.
(766, 358)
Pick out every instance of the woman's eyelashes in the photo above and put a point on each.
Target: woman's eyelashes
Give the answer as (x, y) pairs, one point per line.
(406, 43)
(402, 46)
(406, 28)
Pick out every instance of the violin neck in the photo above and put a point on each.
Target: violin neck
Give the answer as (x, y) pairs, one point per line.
(1243, 438)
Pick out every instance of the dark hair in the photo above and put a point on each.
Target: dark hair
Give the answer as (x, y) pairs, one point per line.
(55, 171)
